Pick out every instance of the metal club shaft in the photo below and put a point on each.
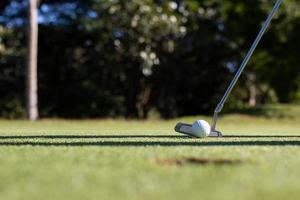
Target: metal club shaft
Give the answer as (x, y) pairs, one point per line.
(243, 65)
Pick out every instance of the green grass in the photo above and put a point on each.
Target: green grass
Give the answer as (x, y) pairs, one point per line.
(118, 159)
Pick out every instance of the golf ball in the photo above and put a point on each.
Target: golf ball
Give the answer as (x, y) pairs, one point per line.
(201, 128)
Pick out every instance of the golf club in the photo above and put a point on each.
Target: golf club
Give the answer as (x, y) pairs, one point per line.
(187, 128)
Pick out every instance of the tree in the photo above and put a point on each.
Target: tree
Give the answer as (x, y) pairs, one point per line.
(3, 4)
(104, 58)
(31, 73)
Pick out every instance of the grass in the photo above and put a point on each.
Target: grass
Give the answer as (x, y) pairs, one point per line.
(118, 159)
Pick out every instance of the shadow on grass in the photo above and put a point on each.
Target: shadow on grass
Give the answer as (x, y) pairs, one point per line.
(261, 136)
(90, 137)
(275, 141)
(7, 137)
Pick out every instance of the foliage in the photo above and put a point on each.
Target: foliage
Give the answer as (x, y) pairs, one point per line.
(113, 58)
(11, 73)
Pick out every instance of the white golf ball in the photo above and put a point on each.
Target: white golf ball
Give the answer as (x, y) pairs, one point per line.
(201, 128)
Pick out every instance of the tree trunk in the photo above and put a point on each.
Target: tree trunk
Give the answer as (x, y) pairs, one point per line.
(252, 90)
(31, 72)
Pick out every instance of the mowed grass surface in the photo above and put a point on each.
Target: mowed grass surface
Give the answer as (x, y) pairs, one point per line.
(118, 159)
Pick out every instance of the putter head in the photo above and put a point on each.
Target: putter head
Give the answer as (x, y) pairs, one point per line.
(187, 130)
(184, 128)
(215, 133)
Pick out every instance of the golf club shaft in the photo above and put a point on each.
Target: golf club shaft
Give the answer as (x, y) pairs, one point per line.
(244, 63)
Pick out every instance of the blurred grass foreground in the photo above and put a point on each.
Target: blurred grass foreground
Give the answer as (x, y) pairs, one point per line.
(135, 159)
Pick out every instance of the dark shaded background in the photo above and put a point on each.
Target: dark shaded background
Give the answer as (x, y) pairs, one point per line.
(142, 57)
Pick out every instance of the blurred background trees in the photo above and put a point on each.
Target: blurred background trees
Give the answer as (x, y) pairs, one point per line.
(110, 58)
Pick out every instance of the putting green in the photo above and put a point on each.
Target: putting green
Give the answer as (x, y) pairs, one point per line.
(117, 159)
